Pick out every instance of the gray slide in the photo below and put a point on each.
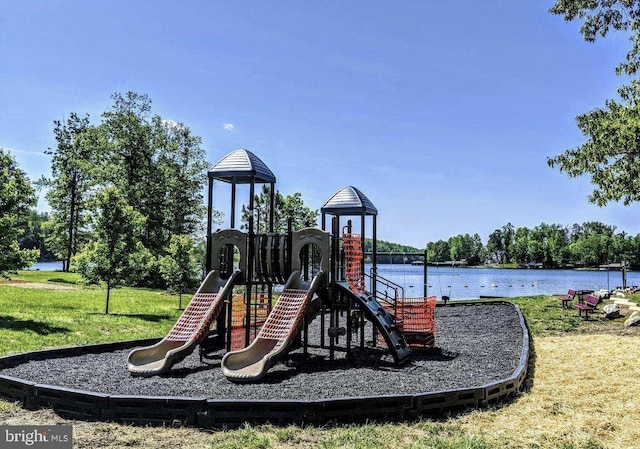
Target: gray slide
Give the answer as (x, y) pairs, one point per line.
(190, 329)
(252, 363)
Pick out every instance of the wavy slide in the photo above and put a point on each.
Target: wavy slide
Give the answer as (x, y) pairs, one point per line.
(252, 363)
(190, 329)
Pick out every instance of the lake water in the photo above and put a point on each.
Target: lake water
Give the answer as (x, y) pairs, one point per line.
(467, 283)
(46, 266)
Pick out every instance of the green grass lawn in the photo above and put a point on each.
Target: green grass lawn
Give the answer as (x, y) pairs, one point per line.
(38, 317)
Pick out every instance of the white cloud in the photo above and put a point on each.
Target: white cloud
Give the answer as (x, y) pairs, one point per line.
(228, 126)
(30, 152)
(171, 124)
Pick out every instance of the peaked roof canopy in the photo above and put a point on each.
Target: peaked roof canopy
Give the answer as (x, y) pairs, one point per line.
(242, 167)
(349, 201)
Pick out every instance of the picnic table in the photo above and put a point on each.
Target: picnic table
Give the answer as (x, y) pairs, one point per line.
(580, 294)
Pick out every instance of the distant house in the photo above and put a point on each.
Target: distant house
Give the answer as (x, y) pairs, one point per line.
(497, 257)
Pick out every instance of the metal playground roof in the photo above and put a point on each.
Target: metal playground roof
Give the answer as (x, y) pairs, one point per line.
(349, 201)
(242, 167)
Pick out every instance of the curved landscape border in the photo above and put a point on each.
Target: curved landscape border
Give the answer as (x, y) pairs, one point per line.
(216, 413)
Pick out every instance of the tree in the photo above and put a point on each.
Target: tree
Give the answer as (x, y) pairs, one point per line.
(159, 167)
(117, 226)
(291, 206)
(130, 161)
(495, 246)
(611, 155)
(181, 167)
(438, 251)
(602, 16)
(16, 199)
(477, 250)
(179, 268)
(301, 215)
(508, 232)
(35, 235)
(69, 188)
(520, 246)
(551, 241)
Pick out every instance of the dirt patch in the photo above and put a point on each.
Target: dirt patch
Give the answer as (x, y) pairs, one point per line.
(39, 285)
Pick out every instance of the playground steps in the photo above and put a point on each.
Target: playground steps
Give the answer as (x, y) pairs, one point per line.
(384, 322)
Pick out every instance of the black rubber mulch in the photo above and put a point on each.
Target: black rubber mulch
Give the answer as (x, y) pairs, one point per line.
(475, 344)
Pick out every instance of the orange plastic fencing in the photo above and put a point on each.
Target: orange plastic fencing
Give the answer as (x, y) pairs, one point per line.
(194, 322)
(259, 312)
(416, 321)
(286, 316)
(352, 245)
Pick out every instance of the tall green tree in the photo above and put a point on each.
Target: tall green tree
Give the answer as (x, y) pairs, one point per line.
(610, 156)
(35, 235)
(520, 251)
(179, 267)
(117, 227)
(69, 188)
(181, 170)
(599, 17)
(439, 251)
(159, 166)
(508, 232)
(496, 246)
(16, 198)
(611, 153)
(291, 206)
(130, 165)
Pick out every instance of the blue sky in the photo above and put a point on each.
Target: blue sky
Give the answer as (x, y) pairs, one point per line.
(442, 113)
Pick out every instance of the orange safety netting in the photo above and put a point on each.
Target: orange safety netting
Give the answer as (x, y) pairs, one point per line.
(259, 312)
(196, 318)
(352, 245)
(416, 321)
(286, 316)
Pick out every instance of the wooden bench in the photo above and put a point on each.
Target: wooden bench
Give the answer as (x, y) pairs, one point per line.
(589, 305)
(571, 294)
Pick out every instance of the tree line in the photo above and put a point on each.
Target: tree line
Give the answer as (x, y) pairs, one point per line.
(586, 245)
(126, 198)
(125, 195)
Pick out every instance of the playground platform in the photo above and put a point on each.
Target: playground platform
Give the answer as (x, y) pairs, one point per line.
(481, 358)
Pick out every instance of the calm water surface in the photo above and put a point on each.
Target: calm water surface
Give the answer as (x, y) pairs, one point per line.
(47, 266)
(466, 283)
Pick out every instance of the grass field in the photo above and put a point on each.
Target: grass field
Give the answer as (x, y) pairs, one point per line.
(583, 389)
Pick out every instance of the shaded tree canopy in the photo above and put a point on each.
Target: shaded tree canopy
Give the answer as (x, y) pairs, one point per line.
(73, 165)
(16, 199)
(611, 154)
(157, 165)
(291, 206)
(110, 257)
(600, 17)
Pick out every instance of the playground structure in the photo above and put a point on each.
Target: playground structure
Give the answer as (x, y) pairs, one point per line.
(324, 274)
(269, 293)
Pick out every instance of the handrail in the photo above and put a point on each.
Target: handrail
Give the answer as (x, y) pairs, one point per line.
(387, 285)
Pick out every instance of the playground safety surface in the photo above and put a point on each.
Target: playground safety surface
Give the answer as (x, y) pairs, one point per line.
(480, 357)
